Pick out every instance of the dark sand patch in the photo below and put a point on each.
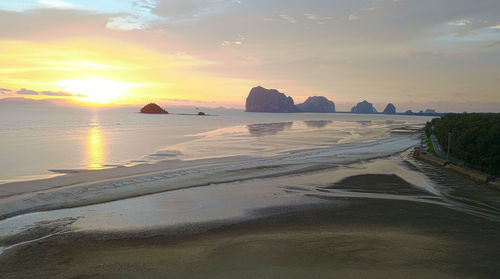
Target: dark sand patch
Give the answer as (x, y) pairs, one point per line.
(377, 183)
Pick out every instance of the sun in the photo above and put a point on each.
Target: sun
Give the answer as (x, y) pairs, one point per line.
(96, 90)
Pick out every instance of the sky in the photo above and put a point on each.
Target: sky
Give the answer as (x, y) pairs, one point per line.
(417, 54)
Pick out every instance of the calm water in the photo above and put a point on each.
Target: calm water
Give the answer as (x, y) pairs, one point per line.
(35, 140)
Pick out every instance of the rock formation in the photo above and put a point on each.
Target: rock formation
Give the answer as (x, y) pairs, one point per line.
(153, 108)
(363, 107)
(269, 100)
(317, 104)
(390, 109)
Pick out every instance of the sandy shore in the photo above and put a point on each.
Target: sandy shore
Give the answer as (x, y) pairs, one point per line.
(97, 186)
(347, 236)
(366, 239)
(78, 188)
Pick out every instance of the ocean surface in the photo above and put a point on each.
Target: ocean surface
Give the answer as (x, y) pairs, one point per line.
(38, 142)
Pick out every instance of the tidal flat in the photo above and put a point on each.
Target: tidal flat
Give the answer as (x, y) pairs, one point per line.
(289, 199)
(366, 226)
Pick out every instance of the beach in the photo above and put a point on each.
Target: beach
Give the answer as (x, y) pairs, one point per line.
(366, 220)
(363, 237)
(292, 198)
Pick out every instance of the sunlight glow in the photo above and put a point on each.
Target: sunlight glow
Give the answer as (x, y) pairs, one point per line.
(95, 151)
(96, 90)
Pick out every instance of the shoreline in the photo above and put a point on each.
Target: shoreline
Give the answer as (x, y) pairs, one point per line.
(129, 182)
(98, 186)
(462, 170)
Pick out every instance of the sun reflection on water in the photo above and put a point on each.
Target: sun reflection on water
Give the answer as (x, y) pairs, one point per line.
(95, 151)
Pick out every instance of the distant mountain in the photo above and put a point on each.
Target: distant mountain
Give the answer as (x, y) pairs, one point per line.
(317, 104)
(40, 102)
(390, 109)
(261, 99)
(364, 107)
(427, 112)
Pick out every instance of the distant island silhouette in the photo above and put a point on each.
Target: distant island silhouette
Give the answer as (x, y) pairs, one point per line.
(261, 99)
(364, 107)
(317, 104)
(389, 109)
(153, 108)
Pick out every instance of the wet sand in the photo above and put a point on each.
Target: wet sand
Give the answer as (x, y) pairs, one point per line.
(85, 187)
(363, 238)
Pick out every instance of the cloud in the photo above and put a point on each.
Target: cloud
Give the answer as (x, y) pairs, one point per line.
(175, 11)
(173, 8)
(60, 93)
(287, 18)
(439, 55)
(353, 17)
(317, 18)
(24, 91)
(43, 23)
(311, 16)
(460, 22)
(239, 41)
(56, 4)
(5, 90)
(124, 23)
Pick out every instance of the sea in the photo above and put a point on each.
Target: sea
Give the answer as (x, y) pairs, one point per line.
(38, 142)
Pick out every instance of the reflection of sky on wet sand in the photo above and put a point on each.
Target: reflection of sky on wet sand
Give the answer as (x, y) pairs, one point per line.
(317, 123)
(95, 149)
(275, 138)
(267, 129)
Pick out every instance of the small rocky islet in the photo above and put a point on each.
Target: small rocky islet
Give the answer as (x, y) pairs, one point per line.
(153, 108)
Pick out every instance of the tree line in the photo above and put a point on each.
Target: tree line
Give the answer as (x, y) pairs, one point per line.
(475, 138)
